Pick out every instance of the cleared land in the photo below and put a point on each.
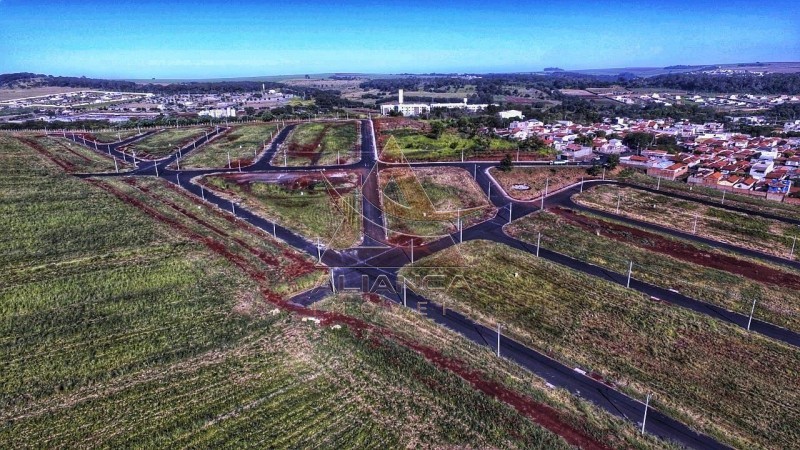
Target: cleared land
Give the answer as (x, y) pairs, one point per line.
(133, 315)
(706, 193)
(707, 275)
(428, 202)
(313, 204)
(736, 386)
(765, 235)
(69, 156)
(164, 143)
(410, 140)
(243, 143)
(528, 183)
(320, 143)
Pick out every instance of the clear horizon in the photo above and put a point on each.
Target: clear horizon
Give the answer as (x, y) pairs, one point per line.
(204, 40)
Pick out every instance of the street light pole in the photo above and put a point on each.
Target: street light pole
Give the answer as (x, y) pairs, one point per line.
(752, 310)
(646, 407)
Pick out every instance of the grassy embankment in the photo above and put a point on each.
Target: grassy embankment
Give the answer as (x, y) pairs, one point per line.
(753, 232)
(242, 143)
(319, 144)
(164, 142)
(325, 208)
(734, 385)
(615, 249)
(428, 202)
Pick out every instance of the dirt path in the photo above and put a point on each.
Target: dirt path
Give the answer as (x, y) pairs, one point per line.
(680, 250)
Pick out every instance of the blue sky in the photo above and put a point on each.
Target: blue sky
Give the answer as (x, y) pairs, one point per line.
(208, 39)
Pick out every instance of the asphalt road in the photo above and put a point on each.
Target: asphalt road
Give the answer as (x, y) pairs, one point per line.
(374, 264)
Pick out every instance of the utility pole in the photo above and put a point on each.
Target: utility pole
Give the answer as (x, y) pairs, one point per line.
(646, 407)
(658, 186)
(581, 184)
(490, 191)
(155, 164)
(630, 271)
(619, 198)
(404, 292)
(723, 197)
(694, 226)
(116, 167)
(752, 310)
(510, 212)
(274, 230)
(475, 172)
(791, 253)
(538, 243)
(233, 208)
(498, 339)
(203, 193)
(229, 159)
(319, 252)
(412, 252)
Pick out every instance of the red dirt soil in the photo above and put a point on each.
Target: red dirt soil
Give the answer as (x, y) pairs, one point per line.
(680, 250)
(67, 166)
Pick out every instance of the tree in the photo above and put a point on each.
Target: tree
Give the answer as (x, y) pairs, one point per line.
(612, 162)
(637, 140)
(437, 128)
(583, 140)
(506, 164)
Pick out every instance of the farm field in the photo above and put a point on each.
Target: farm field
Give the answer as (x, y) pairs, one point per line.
(428, 202)
(320, 143)
(314, 204)
(241, 142)
(164, 143)
(706, 275)
(536, 178)
(111, 136)
(753, 232)
(736, 386)
(410, 140)
(69, 156)
(715, 195)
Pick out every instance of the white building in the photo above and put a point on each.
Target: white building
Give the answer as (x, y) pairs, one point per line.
(218, 113)
(415, 109)
(511, 113)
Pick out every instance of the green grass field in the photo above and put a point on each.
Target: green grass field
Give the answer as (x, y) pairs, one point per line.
(765, 235)
(310, 210)
(413, 145)
(132, 315)
(429, 202)
(734, 385)
(69, 156)
(243, 143)
(777, 304)
(165, 142)
(320, 143)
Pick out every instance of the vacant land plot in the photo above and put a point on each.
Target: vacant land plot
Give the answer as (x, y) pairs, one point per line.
(111, 136)
(164, 143)
(134, 315)
(485, 372)
(325, 205)
(706, 193)
(320, 143)
(528, 183)
(408, 140)
(238, 146)
(702, 274)
(429, 202)
(765, 235)
(70, 156)
(736, 386)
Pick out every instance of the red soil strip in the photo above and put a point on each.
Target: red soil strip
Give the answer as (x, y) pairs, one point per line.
(65, 147)
(66, 165)
(683, 251)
